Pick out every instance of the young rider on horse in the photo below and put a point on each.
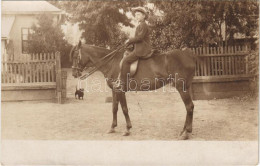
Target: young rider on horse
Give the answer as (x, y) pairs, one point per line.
(141, 42)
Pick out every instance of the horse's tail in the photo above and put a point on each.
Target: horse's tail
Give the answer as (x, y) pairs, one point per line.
(195, 56)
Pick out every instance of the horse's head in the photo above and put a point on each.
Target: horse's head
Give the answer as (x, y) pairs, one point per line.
(76, 58)
(84, 57)
(79, 61)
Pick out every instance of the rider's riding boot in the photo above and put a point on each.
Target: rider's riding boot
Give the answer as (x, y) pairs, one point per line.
(125, 72)
(120, 85)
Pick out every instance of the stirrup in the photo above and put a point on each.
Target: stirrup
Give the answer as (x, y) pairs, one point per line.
(118, 85)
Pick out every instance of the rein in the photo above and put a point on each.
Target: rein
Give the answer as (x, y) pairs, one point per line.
(109, 56)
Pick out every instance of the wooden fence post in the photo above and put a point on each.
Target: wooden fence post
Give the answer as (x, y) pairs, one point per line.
(63, 85)
(58, 76)
(246, 65)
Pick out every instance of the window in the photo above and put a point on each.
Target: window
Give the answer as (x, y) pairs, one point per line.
(26, 38)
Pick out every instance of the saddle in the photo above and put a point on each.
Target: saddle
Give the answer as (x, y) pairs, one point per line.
(134, 65)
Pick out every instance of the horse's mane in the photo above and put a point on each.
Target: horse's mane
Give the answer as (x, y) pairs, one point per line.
(96, 47)
(87, 46)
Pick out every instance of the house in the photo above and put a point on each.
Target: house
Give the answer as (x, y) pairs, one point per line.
(17, 18)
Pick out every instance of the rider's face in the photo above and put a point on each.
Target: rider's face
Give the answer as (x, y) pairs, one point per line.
(139, 16)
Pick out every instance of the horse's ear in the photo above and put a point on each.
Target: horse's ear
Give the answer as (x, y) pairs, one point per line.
(79, 45)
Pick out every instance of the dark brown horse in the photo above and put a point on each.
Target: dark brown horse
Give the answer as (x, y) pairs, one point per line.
(174, 66)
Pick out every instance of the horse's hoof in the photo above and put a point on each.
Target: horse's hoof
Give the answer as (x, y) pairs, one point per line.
(184, 135)
(127, 133)
(111, 131)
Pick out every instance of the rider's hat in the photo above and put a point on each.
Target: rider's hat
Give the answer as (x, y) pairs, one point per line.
(140, 9)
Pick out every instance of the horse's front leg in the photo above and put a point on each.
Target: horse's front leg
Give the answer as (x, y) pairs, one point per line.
(122, 99)
(114, 110)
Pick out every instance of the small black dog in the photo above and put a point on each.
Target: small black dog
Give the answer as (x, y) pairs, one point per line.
(79, 93)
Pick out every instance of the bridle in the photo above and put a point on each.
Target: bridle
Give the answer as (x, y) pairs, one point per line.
(97, 65)
(78, 60)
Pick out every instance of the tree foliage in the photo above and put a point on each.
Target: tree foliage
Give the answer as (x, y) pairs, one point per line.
(48, 37)
(174, 24)
(194, 23)
(100, 20)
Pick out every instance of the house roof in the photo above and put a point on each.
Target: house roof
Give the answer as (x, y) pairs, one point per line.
(28, 7)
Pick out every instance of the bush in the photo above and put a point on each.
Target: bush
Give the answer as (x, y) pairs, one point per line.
(48, 37)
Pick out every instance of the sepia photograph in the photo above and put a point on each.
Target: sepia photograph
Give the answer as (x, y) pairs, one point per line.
(130, 82)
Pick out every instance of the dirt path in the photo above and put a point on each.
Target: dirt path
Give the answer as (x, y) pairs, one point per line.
(155, 116)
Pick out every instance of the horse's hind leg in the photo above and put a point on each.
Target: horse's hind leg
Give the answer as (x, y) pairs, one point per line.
(186, 97)
(114, 110)
(123, 103)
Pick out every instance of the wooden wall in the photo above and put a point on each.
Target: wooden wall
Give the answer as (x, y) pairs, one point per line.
(219, 88)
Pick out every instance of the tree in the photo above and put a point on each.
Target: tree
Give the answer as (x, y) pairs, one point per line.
(100, 20)
(194, 23)
(179, 23)
(48, 37)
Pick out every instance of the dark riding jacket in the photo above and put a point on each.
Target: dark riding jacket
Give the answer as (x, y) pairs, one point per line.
(141, 40)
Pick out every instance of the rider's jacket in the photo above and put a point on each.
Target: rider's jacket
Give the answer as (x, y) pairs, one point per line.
(141, 40)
